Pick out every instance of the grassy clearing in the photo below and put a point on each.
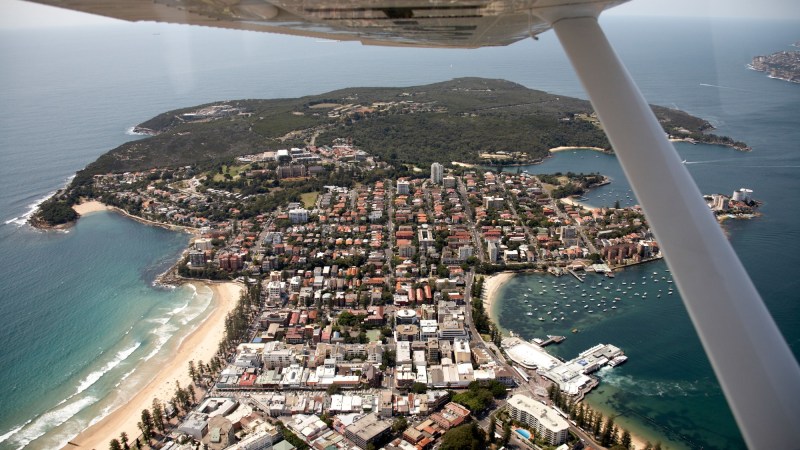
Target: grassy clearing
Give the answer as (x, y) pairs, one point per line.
(374, 335)
(309, 199)
(233, 171)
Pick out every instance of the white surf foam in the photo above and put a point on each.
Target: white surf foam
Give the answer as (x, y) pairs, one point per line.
(31, 208)
(14, 431)
(48, 421)
(131, 132)
(95, 376)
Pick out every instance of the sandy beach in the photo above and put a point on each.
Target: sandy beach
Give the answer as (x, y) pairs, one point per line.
(201, 344)
(575, 203)
(564, 149)
(90, 207)
(491, 286)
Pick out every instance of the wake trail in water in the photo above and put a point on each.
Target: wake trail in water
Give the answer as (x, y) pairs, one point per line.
(725, 87)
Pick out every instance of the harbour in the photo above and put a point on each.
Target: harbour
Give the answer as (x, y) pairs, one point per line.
(574, 376)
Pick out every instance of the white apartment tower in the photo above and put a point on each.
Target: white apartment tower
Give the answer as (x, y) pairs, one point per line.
(437, 170)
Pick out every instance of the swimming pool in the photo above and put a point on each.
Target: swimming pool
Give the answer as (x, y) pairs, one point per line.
(524, 433)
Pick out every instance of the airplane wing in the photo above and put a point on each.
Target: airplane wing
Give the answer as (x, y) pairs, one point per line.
(414, 23)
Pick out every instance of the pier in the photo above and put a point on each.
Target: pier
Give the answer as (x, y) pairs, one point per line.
(575, 274)
(552, 340)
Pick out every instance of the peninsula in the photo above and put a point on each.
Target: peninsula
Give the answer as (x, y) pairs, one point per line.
(784, 65)
(363, 253)
(471, 120)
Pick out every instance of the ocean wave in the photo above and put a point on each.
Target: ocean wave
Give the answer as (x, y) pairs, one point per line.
(14, 431)
(131, 131)
(191, 310)
(93, 377)
(180, 308)
(163, 335)
(125, 377)
(47, 421)
(193, 288)
(31, 208)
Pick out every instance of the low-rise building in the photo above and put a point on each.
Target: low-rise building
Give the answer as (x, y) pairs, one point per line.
(367, 430)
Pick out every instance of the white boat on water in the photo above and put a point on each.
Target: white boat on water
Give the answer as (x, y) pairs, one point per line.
(617, 361)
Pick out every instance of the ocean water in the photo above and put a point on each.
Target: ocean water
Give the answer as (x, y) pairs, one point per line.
(79, 316)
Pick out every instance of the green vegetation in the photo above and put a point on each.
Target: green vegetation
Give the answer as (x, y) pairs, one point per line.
(309, 199)
(464, 437)
(593, 422)
(570, 183)
(454, 119)
(55, 212)
(291, 437)
(424, 138)
(478, 397)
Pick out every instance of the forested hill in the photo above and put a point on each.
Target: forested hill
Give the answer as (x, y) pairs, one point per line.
(450, 121)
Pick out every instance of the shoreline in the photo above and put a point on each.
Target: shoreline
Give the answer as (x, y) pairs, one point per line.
(200, 344)
(86, 207)
(491, 288)
(568, 148)
(492, 285)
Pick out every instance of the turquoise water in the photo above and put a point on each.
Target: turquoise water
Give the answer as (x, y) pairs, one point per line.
(666, 391)
(91, 325)
(75, 305)
(524, 433)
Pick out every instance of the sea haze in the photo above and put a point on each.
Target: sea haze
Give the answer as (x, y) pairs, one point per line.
(80, 319)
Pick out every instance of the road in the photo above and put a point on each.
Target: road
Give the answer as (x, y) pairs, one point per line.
(462, 191)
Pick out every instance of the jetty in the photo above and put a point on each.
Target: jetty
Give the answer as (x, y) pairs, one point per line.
(575, 274)
(552, 340)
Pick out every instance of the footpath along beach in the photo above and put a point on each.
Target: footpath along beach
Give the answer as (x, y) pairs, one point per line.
(201, 344)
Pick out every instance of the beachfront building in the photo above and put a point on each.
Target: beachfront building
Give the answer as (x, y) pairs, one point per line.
(544, 420)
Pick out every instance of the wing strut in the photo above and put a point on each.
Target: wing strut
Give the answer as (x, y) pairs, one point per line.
(758, 372)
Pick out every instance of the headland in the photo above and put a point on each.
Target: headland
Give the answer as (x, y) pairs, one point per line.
(784, 65)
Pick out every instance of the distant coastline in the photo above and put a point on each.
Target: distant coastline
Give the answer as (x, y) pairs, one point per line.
(783, 65)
